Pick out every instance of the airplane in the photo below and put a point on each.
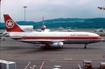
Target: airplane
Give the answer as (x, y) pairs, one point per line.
(101, 8)
(100, 32)
(27, 28)
(43, 28)
(49, 39)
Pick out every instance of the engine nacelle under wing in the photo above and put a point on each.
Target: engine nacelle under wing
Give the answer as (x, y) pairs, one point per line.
(57, 44)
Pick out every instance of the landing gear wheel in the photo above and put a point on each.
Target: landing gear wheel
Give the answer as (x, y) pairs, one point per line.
(85, 46)
(47, 46)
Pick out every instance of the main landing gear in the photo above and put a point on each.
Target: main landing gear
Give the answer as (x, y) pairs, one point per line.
(85, 46)
(47, 46)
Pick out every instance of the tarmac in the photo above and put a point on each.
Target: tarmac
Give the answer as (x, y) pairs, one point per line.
(28, 56)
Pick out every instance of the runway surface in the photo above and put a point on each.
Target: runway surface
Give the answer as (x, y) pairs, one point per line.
(69, 57)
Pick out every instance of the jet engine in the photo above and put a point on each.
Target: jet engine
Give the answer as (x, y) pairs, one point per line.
(57, 45)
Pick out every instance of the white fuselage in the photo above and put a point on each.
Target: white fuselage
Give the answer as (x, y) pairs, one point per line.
(50, 37)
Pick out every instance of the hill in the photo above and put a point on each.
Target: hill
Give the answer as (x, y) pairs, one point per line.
(66, 22)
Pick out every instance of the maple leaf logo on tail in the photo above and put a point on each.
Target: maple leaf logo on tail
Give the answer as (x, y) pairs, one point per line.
(11, 26)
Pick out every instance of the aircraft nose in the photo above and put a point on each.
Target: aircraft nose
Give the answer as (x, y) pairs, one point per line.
(102, 39)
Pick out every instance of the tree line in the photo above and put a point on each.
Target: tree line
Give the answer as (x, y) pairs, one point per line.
(66, 22)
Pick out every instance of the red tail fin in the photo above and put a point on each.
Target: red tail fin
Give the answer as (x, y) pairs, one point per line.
(10, 25)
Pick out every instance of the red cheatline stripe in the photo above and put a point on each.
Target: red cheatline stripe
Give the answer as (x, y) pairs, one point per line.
(54, 40)
(45, 37)
(29, 37)
(58, 38)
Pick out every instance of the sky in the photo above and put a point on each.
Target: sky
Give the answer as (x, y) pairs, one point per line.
(52, 9)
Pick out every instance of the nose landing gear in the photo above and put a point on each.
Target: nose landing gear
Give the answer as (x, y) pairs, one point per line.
(85, 46)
